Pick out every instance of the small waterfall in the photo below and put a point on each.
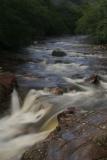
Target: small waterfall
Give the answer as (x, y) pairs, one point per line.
(32, 122)
(22, 127)
(15, 103)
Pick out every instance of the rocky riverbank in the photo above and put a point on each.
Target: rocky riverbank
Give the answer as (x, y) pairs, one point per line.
(79, 136)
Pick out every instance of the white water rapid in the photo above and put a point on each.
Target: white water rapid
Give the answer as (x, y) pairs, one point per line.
(33, 121)
(18, 131)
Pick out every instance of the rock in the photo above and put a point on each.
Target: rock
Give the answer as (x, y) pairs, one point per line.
(7, 80)
(79, 136)
(7, 83)
(94, 79)
(58, 61)
(57, 91)
(58, 53)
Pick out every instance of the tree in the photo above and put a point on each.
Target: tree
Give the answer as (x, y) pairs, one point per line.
(94, 21)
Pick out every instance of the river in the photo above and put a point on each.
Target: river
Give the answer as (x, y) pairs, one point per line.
(35, 67)
(37, 70)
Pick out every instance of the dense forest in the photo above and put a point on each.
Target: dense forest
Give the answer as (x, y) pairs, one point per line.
(94, 20)
(23, 21)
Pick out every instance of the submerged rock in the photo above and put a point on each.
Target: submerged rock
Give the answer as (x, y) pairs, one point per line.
(58, 53)
(79, 136)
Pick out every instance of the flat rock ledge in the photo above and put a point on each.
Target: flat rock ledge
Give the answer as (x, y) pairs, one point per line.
(79, 136)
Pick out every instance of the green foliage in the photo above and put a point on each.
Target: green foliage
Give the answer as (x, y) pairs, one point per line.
(17, 22)
(70, 13)
(94, 21)
(23, 21)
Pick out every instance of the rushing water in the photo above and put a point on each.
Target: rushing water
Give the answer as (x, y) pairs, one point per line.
(35, 68)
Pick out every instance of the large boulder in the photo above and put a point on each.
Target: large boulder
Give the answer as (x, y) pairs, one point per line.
(58, 53)
(79, 136)
(7, 83)
(7, 80)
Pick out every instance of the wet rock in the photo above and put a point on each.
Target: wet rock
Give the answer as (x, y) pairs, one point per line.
(94, 79)
(7, 80)
(57, 91)
(79, 136)
(58, 53)
(7, 83)
(58, 61)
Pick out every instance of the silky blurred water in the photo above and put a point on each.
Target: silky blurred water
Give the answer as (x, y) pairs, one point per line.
(33, 118)
(35, 67)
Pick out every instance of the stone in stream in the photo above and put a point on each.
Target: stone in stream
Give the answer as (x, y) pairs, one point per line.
(58, 53)
(57, 91)
(94, 79)
(7, 83)
(79, 136)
